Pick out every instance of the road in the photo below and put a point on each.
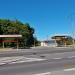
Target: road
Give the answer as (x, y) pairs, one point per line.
(33, 51)
(38, 68)
(56, 63)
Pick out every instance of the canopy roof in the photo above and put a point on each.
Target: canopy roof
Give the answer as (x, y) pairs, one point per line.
(10, 36)
(61, 36)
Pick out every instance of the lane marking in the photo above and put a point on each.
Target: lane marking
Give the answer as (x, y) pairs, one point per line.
(16, 62)
(19, 60)
(69, 69)
(56, 58)
(47, 73)
(2, 63)
(73, 56)
(22, 61)
(26, 60)
(35, 59)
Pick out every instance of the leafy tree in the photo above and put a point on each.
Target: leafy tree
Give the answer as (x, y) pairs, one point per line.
(17, 27)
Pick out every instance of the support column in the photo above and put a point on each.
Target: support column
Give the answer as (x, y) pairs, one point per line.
(17, 44)
(3, 44)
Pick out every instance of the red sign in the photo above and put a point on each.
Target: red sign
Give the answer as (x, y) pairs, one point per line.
(8, 41)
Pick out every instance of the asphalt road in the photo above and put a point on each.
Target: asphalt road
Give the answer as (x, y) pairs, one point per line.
(59, 61)
(34, 51)
(56, 67)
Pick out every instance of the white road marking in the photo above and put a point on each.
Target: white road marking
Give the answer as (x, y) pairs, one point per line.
(70, 57)
(69, 69)
(56, 58)
(73, 56)
(2, 63)
(16, 62)
(19, 59)
(35, 59)
(47, 73)
(22, 61)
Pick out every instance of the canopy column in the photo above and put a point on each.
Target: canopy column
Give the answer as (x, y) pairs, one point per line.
(3, 44)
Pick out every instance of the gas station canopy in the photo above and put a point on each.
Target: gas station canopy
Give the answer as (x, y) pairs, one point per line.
(10, 36)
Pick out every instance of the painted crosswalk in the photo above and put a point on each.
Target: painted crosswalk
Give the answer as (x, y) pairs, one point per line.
(22, 59)
(18, 59)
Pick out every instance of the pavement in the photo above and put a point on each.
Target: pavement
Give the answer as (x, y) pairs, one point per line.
(44, 67)
(40, 61)
(6, 49)
(33, 51)
(37, 57)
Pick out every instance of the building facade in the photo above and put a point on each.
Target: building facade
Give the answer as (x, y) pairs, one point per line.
(49, 43)
(63, 40)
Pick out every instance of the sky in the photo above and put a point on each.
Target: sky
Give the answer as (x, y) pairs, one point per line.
(47, 17)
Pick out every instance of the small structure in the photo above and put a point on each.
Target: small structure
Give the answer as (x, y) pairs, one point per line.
(49, 43)
(63, 40)
(10, 36)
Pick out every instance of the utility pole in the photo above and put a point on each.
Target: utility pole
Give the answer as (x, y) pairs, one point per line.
(17, 44)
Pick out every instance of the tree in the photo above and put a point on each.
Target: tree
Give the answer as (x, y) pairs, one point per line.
(17, 27)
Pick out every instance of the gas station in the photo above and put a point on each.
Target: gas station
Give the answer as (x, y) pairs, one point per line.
(10, 36)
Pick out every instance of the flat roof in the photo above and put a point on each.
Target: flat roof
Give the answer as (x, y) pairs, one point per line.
(64, 36)
(11, 36)
(48, 40)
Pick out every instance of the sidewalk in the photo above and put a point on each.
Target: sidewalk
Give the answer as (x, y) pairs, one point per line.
(6, 49)
(41, 47)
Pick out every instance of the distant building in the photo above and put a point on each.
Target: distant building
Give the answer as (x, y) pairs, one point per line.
(49, 43)
(63, 40)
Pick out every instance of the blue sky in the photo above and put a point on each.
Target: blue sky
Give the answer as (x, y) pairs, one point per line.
(48, 17)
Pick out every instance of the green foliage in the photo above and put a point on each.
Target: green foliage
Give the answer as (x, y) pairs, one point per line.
(17, 27)
(68, 41)
(61, 40)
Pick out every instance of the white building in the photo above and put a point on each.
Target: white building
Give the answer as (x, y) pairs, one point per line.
(49, 43)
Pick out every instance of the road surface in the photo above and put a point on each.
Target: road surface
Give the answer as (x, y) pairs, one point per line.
(54, 64)
(44, 61)
(33, 51)
(46, 67)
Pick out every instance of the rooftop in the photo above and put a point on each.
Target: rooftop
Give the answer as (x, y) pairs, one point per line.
(3, 36)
